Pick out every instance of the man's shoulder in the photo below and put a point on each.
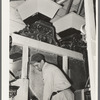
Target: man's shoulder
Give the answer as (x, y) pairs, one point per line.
(51, 66)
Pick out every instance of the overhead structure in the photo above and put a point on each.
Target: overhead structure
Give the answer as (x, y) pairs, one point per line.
(31, 7)
(71, 20)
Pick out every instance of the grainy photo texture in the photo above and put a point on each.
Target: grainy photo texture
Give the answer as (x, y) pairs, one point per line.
(52, 50)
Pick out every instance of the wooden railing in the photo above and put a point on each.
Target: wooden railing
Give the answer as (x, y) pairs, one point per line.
(26, 43)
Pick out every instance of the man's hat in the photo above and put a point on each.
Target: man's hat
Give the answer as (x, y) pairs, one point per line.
(37, 58)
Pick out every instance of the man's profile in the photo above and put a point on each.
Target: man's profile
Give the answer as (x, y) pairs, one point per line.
(56, 85)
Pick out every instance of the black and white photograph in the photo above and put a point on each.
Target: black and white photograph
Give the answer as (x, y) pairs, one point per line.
(52, 50)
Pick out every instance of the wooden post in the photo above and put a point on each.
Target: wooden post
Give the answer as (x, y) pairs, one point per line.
(23, 94)
(24, 62)
(91, 46)
(65, 64)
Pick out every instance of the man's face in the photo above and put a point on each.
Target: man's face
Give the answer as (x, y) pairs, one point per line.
(38, 65)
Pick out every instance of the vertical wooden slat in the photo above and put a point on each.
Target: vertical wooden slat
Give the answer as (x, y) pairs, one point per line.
(24, 62)
(65, 64)
(89, 16)
(91, 35)
(24, 84)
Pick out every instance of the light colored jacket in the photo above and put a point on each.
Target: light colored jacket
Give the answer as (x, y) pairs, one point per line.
(54, 80)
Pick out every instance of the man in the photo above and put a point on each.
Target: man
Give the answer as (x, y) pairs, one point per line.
(56, 86)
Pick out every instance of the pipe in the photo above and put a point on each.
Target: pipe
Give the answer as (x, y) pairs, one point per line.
(69, 6)
(80, 7)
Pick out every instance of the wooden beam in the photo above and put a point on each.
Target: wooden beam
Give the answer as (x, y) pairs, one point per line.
(21, 40)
